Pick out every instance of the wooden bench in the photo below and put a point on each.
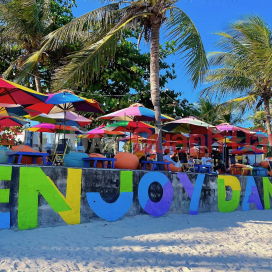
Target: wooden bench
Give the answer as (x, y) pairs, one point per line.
(155, 163)
(96, 159)
(33, 155)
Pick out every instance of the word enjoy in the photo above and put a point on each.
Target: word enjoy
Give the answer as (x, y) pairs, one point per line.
(33, 181)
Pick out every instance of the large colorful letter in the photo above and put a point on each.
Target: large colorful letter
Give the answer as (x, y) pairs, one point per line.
(251, 195)
(267, 190)
(193, 192)
(162, 207)
(73, 196)
(232, 204)
(113, 211)
(32, 182)
(5, 174)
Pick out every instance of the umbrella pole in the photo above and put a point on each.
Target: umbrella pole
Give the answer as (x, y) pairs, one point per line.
(64, 123)
(130, 142)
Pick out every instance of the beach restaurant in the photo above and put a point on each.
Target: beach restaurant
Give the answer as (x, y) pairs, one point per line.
(77, 174)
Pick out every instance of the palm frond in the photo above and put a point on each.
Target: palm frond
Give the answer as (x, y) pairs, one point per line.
(224, 81)
(90, 26)
(182, 30)
(88, 62)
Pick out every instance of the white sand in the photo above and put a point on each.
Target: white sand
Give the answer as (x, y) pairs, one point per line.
(238, 241)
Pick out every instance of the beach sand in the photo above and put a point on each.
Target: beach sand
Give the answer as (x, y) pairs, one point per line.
(238, 241)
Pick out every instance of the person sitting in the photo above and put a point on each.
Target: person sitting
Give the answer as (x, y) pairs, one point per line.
(206, 160)
(219, 166)
(182, 156)
(247, 160)
(146, 157)
(166, 156)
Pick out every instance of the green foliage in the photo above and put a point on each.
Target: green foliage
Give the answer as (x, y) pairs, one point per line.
(23, 25)
(215, 113)
(245, 65)
(126, 80)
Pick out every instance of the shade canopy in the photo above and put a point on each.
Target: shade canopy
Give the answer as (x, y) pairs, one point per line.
(99, 132)
(11, 121)
(226, 128)
(247, 150)
(134, 113)
(12, 93)
(72, 119)
(190, 125)
(12, 110)
(64, 102)
(128, 125)
(51, 128)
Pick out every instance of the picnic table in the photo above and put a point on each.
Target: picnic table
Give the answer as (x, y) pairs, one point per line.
(96, 159)
(201, 166)
(33, 155)
(155, 163)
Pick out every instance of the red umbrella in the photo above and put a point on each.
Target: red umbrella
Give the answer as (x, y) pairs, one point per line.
(12, 93)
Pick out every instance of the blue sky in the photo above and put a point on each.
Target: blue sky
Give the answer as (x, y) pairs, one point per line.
(209, 17)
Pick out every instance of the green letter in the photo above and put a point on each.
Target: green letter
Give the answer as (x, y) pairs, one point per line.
(267, 190)
(32, 182)
(233, 182)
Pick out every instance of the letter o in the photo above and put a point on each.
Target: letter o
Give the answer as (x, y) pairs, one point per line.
(162, 207)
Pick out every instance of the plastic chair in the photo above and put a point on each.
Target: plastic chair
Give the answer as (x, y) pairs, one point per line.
(60, 151)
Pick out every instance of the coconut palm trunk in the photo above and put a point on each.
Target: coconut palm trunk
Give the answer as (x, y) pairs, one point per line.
(268, 119)
(154, 81)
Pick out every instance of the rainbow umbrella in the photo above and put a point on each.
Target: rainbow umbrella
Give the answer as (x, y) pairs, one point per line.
(128, 125)
(65, 101)
(8, 121)
(190, 125)
(225, 129)
(99, 133)
(134, 113)
(12, 93)
(51, 128)
(72, 119)
(247, 150)
(12, 110)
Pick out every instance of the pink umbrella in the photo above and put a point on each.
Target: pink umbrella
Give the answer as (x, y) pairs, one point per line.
(225, 129)
(99, 132)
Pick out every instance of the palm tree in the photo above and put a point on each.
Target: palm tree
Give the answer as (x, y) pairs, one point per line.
(23, 25)
(215, 113)
(244, 65)
(100, 30)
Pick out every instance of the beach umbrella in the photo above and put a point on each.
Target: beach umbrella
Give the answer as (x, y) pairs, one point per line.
(72, 119)
(190, 125)
(247, 150)
(11, 121)
(225, 129)
(65, 101)
(134, 113)
(128, 125)
(51, 128)
(12, 93)
(12, 110)
(99, 132)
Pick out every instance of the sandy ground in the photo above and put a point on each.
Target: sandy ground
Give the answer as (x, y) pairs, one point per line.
(238, 241)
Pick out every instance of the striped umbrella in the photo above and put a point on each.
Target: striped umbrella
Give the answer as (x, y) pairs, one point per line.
(51, 128)
(72, 119)
(134, 113)
(12, 93)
